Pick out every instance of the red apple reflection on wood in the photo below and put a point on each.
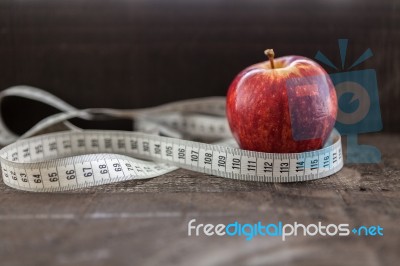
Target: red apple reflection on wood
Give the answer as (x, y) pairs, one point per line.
(283, 105)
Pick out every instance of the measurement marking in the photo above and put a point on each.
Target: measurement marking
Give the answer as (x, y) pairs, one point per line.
(60, 150)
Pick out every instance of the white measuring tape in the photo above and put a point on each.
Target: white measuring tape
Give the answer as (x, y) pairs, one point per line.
(81, 158)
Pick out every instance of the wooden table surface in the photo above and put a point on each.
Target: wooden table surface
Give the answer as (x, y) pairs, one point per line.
(145, 222)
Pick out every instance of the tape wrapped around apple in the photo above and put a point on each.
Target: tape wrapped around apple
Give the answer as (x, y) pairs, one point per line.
(284, 105)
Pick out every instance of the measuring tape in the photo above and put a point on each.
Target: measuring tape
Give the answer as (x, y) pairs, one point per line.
(82, 158)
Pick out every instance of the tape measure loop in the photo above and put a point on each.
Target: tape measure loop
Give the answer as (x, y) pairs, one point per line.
(79, 159)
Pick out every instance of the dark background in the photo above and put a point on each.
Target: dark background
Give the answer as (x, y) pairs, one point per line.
(131, 54)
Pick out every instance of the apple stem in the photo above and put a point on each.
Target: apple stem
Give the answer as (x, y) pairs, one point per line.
(270, 53)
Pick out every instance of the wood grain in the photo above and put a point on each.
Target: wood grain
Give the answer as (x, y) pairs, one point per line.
(145, 222)
(133, 54)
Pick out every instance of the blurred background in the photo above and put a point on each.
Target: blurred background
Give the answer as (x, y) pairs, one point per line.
(137, 53)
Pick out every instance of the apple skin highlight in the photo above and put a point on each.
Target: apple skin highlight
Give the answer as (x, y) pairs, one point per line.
(258, 106)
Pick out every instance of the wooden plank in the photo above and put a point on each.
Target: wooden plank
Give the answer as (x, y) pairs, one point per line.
(132, 54)
(145, 222)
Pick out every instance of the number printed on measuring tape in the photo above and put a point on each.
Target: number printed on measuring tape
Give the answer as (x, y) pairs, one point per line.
(76, 159)
(117, 159)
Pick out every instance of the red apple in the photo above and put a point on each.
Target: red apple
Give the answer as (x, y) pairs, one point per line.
(287, 104)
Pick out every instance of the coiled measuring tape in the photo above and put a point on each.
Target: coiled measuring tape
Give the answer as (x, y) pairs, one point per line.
(82, 158)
